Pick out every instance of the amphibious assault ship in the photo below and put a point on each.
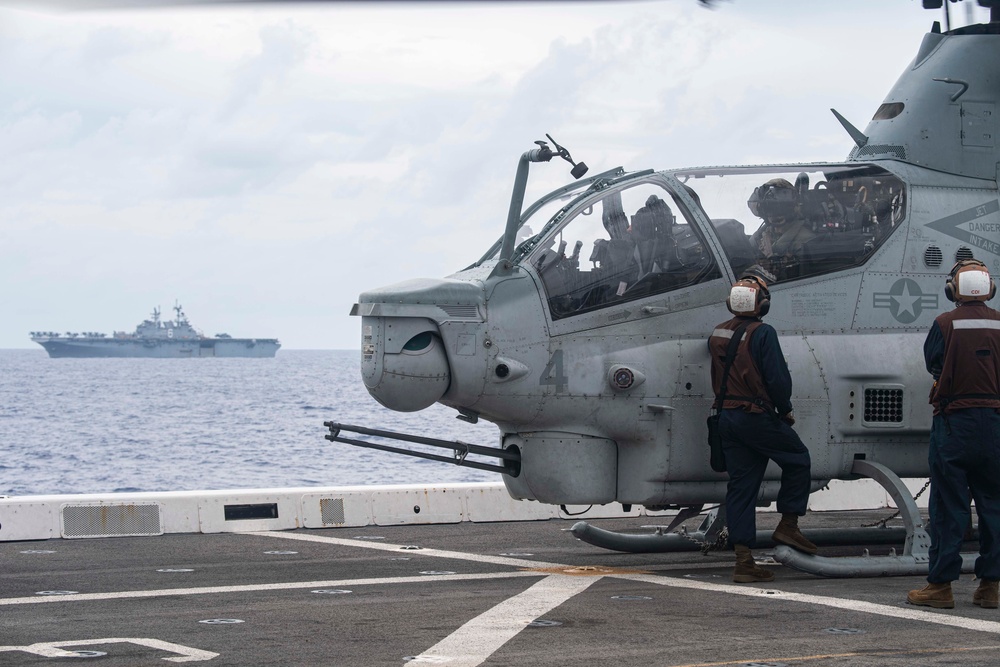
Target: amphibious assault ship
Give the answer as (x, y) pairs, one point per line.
(171, 339)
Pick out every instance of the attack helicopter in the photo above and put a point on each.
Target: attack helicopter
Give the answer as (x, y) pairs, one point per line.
(581, 333)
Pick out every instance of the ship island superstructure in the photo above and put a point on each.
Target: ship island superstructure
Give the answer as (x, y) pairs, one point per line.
(153, 337)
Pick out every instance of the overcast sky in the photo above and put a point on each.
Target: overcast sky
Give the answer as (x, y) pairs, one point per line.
(265, 165)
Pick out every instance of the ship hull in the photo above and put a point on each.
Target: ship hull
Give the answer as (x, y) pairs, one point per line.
(160, 349)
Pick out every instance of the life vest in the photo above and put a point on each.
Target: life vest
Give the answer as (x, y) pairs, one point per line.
(970, 373)
(745, 386)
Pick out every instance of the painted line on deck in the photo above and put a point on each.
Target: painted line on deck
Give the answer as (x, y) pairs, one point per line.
(251, 588)
(461, 555)
(399, 548)
(904, 611)
(840, 656)
(55, 650)
(473, 643)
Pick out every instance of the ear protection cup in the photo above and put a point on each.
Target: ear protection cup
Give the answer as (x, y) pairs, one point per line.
(765, 302)
(763, 294)
(951, 288)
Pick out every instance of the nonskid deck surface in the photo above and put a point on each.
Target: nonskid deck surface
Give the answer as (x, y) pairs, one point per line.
(524, 593)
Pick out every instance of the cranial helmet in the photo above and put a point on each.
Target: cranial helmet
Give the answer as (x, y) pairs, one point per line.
(969, 280)
(654, 219)
(749, 297)
(775, 201)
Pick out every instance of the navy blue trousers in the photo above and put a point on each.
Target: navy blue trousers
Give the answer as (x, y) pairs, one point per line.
(965, 461)
(749, 440)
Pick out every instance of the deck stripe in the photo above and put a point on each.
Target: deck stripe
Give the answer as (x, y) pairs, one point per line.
(473, 643)
(904, 610)
(289, 586)
(399, 548)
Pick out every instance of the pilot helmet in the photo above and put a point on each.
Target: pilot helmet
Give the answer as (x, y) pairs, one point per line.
(969, 280)
(749, 297)
(654, 219)
(775, 201)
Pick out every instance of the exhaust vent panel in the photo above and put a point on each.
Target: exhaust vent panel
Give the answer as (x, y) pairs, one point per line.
(111, 520)
(332, 511)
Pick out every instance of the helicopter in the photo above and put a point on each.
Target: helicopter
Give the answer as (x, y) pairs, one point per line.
(581, 332)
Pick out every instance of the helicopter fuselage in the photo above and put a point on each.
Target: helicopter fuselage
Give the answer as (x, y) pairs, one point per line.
(586, 346)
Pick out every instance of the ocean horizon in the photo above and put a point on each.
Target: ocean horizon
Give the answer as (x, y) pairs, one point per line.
(127, 425)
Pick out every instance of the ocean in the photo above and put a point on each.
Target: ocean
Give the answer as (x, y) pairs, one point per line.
(115, 425)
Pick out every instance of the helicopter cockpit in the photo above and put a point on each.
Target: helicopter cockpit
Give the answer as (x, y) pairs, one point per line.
(631, 243)
(641, 238)
(798, 224)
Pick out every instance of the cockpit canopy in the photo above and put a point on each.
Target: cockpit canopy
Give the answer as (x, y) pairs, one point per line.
(619, 241)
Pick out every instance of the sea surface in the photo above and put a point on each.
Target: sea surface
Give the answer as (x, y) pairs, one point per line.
(114, 425)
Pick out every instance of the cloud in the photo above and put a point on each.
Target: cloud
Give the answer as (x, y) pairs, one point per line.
(266, 165)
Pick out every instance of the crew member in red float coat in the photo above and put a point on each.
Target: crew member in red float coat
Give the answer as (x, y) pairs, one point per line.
(962, 352)
(755, 424)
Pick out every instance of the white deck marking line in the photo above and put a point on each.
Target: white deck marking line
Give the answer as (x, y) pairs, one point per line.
(460, 555)
(477, 640)
(53, 650)
(290, 586)
(398, 548)
(906, 611)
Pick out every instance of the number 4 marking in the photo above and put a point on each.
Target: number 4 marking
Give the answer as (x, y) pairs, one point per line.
(553, 373)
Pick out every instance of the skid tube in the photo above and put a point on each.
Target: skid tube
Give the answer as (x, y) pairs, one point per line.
(511, 459)
(914, 560)
(661, 542)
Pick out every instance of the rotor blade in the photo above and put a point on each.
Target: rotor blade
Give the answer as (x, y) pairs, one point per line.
(72, 5)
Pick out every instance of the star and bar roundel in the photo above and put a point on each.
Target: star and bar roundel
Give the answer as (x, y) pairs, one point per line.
(905, 301)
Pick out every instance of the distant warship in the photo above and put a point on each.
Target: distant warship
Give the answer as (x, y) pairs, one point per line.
(154, 338)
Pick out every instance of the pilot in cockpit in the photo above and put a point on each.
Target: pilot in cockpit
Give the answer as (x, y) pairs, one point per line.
(652, 231)
(780, 239)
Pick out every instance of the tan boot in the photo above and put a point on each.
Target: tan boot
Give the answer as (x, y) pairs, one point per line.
(788, 533)
(747, 571)
(986, 595)
(933, 595)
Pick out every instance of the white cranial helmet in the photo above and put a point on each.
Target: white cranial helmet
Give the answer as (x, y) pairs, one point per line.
(973, 285)
(743, 300)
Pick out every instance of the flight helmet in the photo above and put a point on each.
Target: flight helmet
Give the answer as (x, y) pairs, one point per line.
(776, 201)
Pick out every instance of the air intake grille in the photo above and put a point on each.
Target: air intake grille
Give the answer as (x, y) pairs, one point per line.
(963, 253)
(128, 520)
(332, 511)
(879, 150)
(883, 406)
(461, 311)
(933, 256)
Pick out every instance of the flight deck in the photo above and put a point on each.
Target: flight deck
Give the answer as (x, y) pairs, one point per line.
(461, 594)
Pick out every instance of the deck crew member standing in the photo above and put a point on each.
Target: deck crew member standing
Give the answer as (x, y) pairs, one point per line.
(962, 352)
(756, 426)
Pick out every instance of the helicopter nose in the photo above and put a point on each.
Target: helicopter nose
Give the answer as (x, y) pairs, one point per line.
(404, 365)
(404, 359)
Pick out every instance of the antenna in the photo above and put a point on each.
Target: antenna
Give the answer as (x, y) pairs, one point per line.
(859, 137)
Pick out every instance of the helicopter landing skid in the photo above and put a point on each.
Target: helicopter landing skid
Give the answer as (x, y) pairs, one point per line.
(659, 541)
(706, 538)
(915, 558)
